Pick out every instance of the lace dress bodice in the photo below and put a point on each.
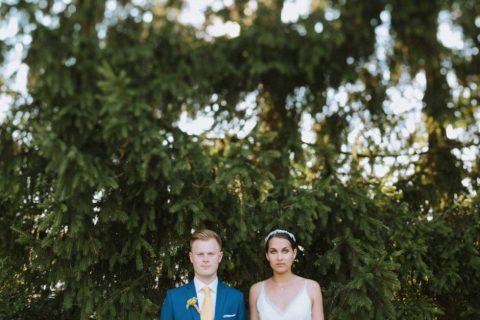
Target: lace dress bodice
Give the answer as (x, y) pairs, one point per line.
(299, 308)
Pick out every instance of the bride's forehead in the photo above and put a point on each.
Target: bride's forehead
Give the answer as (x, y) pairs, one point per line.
(276, 242)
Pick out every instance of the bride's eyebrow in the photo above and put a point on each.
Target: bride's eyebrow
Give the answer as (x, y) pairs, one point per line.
(280, 248)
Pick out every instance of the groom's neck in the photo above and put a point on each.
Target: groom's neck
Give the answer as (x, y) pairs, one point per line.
(206, 280)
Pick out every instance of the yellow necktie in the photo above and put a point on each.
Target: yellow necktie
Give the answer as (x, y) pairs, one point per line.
(207, 305)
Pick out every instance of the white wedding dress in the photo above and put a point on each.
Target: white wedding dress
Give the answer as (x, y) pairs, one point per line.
(299, 308)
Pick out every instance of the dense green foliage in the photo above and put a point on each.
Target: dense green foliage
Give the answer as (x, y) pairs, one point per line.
(100, 188)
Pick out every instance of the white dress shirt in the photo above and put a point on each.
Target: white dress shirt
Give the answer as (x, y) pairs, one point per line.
(201, 295)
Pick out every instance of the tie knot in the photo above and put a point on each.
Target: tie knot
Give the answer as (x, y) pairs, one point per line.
(206, 289)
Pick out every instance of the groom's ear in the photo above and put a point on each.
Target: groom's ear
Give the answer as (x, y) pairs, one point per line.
(190, 255)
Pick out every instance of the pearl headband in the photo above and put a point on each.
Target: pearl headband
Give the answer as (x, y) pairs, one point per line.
(280, 231)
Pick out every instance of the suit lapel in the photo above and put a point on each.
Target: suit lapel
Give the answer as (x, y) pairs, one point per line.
(221, 299)
(189, 293)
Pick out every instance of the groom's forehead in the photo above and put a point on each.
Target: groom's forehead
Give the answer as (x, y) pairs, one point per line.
(209, 245)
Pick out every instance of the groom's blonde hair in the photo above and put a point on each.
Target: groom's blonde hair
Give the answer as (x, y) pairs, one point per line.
(205, 234)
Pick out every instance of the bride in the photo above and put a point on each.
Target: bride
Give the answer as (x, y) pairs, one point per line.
(284, 296)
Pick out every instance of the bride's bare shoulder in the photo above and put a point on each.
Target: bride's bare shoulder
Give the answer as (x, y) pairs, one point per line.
(313, 286)
(255, 288)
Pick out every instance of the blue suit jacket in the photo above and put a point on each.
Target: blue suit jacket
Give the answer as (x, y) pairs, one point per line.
(230, 304)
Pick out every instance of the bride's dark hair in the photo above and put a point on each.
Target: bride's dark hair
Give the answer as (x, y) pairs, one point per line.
(283, 234)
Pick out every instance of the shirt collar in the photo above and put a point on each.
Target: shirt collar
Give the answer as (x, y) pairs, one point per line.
(199, 285)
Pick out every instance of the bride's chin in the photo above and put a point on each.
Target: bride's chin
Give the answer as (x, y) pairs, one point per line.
(281, 271)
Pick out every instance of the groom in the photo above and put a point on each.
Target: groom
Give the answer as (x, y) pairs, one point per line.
(204, 298)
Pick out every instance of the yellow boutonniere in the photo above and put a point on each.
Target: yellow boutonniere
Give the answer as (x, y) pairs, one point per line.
(192, 302)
